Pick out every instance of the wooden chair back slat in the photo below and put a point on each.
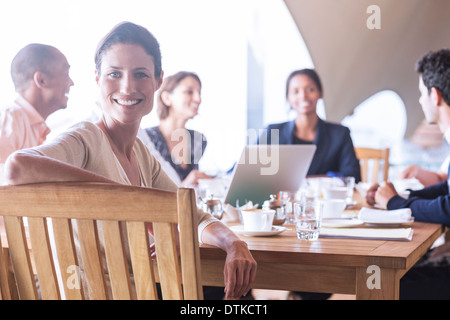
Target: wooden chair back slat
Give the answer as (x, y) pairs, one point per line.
(91, 252)
(377, 157)
(190, 255)
(5, 293)
(67, 258)
(20, 257)
(143, 272)
(166, 252)
(119, 273)
(96, 237)
(42, 254)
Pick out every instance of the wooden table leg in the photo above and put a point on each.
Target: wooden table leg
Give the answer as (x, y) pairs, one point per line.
(375, 283)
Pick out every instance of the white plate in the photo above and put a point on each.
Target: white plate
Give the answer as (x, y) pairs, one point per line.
(341, 223)
(275, 230)
(390, 224)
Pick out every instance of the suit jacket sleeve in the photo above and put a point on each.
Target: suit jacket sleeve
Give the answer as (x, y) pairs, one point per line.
(349, 164)
(430, 204)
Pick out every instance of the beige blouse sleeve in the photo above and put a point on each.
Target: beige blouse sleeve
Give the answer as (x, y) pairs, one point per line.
(162, 181)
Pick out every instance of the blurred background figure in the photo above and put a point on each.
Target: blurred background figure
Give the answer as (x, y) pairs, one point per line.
(178, 101)
(335, 152)
(426, 177)
(40, 74)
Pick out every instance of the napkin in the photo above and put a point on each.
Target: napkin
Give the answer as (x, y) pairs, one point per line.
(376, 215)
(402, 234)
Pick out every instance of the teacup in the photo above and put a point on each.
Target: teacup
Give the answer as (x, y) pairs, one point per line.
(335, 193)
(258, 219)
(333, 208)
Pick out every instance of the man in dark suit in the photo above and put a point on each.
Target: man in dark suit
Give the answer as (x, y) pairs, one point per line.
(431, 204)
(430, 277)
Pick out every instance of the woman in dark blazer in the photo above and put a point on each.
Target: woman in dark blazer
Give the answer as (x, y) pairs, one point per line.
(334, 146)
(335, 150)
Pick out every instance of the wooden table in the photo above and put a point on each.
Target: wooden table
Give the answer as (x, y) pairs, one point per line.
(371, 269)
(327, 265)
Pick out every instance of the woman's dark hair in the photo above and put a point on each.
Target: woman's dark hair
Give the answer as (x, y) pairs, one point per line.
(312, 74)
(435, 70)
(130, 33)
(169, 84)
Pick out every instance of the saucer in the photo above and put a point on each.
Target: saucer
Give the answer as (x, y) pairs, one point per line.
(275, 230)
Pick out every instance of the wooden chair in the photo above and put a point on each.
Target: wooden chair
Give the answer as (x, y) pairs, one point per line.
(366, 155)
(111, 222)
(5, 293)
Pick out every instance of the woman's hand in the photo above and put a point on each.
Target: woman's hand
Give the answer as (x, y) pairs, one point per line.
(240, 267)
(239, 272)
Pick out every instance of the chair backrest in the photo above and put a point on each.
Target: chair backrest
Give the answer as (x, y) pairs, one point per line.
(374, 156)
(106, 227)
(5, 292)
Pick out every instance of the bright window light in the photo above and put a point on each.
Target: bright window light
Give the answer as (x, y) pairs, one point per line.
(378, 122)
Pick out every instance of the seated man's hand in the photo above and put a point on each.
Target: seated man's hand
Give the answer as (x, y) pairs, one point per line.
(384, 193)
(370, 195)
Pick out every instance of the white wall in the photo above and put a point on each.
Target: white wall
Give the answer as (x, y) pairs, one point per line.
(205, 36)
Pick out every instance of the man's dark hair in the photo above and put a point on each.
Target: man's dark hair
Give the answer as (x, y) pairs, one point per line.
(435, 70)
(30, 59)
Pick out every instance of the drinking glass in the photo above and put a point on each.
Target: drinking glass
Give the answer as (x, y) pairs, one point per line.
(350, 184)
(308, 219)
(287, 197)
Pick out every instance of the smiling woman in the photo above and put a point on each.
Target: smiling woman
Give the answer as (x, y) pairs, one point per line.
(127, 83)
(128, 74)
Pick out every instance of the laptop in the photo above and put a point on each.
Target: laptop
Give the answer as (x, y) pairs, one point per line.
(263, 170)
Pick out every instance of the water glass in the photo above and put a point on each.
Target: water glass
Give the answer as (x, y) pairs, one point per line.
(308, 219)
(350, 184)
(287, 198)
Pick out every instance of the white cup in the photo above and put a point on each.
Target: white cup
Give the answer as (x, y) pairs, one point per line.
(335, 193)
(258, 219)
(333, 208)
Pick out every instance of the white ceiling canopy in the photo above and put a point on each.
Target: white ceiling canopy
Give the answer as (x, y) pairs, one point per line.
(356, 60)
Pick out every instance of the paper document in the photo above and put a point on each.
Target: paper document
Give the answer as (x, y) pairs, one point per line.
(377, 215)
(404, 234)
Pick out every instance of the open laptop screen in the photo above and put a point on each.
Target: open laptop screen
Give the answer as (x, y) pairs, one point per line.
(263, 170)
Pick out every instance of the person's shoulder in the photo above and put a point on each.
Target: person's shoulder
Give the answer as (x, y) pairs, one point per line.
(335, 127)
(141, 147)
(154, 133)
(278, 125)
(85, 131)
(195, 134)
(12, 112)
(85, 126)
